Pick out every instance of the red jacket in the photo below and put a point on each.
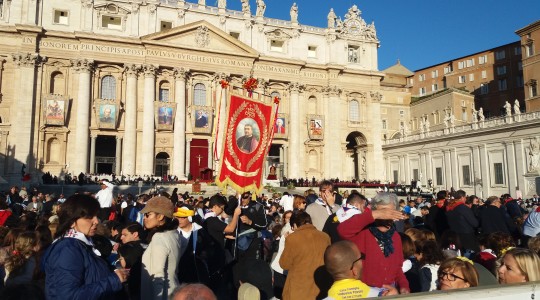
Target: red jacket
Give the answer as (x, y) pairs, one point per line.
(377, 269)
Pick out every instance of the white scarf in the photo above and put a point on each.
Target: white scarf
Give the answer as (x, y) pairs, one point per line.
(323, 204)
(74, 234)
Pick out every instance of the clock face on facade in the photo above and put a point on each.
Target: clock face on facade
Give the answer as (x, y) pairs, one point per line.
(354, 27)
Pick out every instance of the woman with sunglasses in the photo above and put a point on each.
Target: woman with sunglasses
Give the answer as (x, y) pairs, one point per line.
(457, 273)
(160, 260)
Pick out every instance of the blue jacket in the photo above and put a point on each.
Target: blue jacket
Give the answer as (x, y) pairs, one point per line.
(74, 271)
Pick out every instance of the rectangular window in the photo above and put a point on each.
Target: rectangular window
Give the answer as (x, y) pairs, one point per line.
(517, 50)
(276, 46)
(471, 77)
(60, 17)
(435, 74)
(434, 87)
(111, 22)
(464, 115)
(482, 59)
(461, 65)
(415, 174)
(470, 62)
(164, 95)
(530, 49)
(484, 74)
(533, 90)
(466, 174)
(484, 88)
(461, 79)
(438, 176)
(501, 70)
(422, 77)
(235, 35)
(422, 91)
(501, 54)
(312, 51)
(519, 81)
(352, 54)
(165, 25)
(395, 173)
(401, 113)
(502, 84)
(384, 124)
(411, 81)
(498, 173)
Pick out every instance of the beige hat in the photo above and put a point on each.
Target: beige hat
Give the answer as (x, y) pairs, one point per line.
(161, 205)
(248, 291)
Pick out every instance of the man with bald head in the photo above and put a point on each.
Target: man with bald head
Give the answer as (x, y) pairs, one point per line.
(344, 261)
(193, 291)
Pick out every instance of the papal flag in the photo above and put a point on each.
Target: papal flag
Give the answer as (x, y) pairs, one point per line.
(247, 137)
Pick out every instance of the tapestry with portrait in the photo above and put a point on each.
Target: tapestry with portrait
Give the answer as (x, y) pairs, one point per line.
(54, 109)
(164, 113)
(248, 135)
(281, 126)
(202, 119)
(107, 113)
(315, 127)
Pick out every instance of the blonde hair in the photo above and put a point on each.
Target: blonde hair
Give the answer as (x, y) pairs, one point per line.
(23, 249)
(469, 272)
(528, 262)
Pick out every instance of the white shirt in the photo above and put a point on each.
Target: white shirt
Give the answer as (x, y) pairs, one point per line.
(185, 235)
(287, 202)
(105, 196)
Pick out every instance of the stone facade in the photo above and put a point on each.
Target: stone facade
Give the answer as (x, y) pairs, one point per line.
(116, 87)
(530, 37)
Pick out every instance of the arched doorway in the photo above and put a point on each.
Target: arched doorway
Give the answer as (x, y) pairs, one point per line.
(356, 148)
(105, 162)
(162, 164)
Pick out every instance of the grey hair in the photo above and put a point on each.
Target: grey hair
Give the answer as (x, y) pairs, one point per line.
(385, 199)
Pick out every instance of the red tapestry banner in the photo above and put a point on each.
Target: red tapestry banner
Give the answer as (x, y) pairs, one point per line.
(248, 135)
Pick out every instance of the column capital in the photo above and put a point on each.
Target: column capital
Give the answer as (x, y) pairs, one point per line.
(149, 70)
(333, 90)
(295, 87)
(376, 96)
(132, 70)
(181, 73)
(82, 65)
(28, 60)
(87, 3)
(119, 137)
(222, 76)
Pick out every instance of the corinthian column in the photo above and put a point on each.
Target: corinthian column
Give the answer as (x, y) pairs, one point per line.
(130, 123)
(179, 135)
(148, 134)
(374, 171)
(331, 135)
(22, 118)
(83, 67)
(294, 133)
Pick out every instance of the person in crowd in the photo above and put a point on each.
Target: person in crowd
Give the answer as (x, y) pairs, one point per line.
(355, 204)
(344, 262)
(35, 205)
(410, 266)
(21, 265)
(429, 256)
(303, 254)
(462, 220)
(73, 269)
(252, 222)
(105, 198)
(457, 273)
(531, 226)
(436, 219)
(160, 260)
(130, 258)
(493, 218)
(519, 265)
(374, 233)
(299, 202)
(324, 206)
(255, 274)
(280, 275)
(193, 291)
(132, 233)
(534, 244)
(287, 201)
(7, 218)
(215, 223)
(8, 245)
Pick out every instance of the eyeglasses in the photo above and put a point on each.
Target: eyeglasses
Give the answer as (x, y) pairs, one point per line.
(450, 276)
(362, 256)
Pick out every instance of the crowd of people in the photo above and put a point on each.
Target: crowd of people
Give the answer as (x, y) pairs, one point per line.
(319, 245)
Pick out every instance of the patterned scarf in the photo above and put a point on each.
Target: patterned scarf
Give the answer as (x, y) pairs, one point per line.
(384, 239)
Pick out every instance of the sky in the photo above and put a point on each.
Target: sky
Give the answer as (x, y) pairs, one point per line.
(420, 33)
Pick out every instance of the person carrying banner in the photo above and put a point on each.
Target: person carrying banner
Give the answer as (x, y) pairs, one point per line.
(252, 221)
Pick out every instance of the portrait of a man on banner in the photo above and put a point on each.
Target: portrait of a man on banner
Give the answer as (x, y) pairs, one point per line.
(248, 133)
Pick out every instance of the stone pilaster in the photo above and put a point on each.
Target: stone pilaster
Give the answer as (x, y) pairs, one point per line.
(148, 134)
(93, 154)
(188, 157)
(331, 134)
(118, 156)
(179, 135)
(374, 120)
(84, 68)
(294, 133)
(130, 121)
(23, 108)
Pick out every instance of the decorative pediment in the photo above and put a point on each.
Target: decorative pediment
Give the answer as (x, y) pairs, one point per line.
(111, 9)
(278, 34)
(355, 28)
(200, 35)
